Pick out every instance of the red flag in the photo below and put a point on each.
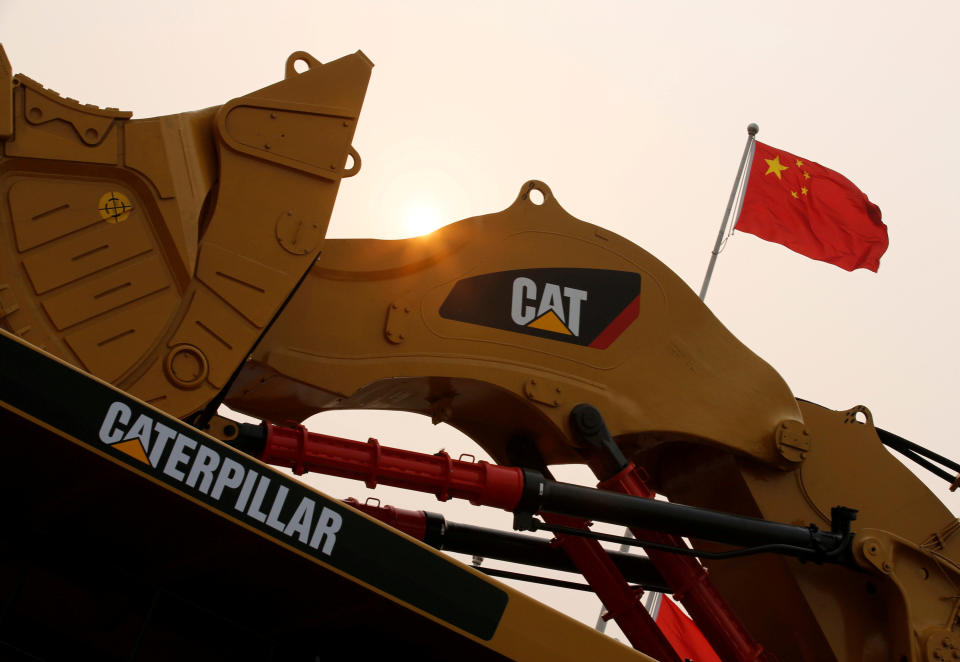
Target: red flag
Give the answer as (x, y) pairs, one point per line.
(683, 634)
(811, 210)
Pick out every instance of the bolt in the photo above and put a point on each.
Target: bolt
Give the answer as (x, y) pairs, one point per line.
(558, 390)
(886, 567)
(273, 116)
(394, 306)
(266, 146)
(533, 382)
(406, 309)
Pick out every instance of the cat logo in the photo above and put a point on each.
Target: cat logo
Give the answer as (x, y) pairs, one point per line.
(558, 309)
(591, 307)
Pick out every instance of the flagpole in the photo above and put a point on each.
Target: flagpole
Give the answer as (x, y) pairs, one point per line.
(752, 130)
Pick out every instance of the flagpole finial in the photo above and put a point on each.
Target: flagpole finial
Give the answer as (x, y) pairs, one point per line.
(753, 128)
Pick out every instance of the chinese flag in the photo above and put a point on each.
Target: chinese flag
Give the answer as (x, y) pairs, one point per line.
(683, 634)
(811, 210)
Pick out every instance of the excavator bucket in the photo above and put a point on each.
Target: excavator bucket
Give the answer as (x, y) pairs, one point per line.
(154, 252)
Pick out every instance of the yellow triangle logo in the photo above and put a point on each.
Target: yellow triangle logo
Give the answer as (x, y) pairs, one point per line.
(134, 449)
(550, 322)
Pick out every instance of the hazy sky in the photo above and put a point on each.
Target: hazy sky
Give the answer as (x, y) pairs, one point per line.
(634, 113)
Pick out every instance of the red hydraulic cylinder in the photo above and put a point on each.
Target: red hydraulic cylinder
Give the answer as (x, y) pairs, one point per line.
(690, 583)
(411, 522)
(621, 602)
(481, 483)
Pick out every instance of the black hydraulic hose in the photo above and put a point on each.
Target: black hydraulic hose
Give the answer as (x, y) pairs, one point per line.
(541, 494)
(537, 579)
(912, 451)
(789, 550)
(530, 550)
(926, 464)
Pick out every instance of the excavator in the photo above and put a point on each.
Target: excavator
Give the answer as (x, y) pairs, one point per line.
(152, 270)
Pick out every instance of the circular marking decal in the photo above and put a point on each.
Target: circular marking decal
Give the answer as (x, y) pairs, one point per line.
(114, 207)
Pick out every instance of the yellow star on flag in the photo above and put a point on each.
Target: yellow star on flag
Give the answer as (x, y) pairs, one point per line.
(799, 163)
(774, 166)
(794, 194)
(803, 190)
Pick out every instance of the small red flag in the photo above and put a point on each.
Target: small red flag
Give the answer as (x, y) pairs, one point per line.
(811, 210)
(683, 634)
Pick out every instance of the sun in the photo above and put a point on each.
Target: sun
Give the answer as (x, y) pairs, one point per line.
(421, 219)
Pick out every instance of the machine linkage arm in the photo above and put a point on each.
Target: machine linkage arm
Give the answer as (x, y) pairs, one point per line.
(528, 493)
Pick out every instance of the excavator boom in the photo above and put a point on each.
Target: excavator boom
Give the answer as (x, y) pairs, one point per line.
(182, 261)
